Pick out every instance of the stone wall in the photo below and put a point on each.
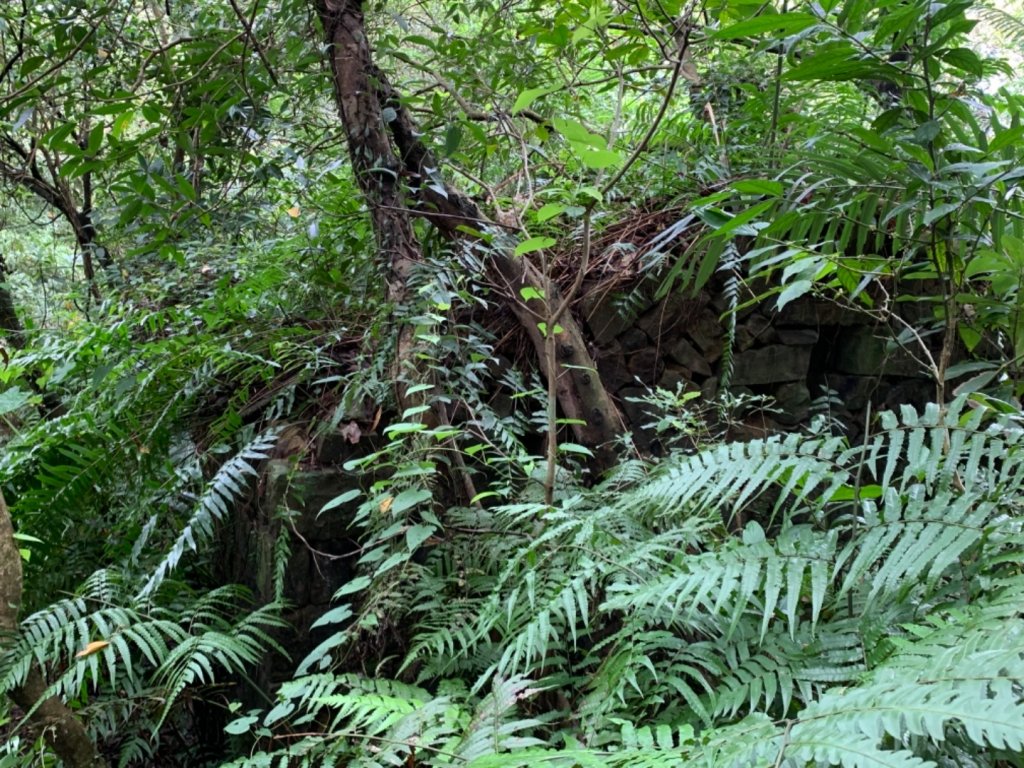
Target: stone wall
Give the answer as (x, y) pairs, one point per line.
(322, 554)
(794, 356)
(791, 355)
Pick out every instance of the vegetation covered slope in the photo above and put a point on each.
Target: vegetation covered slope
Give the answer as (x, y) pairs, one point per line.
(235, 230)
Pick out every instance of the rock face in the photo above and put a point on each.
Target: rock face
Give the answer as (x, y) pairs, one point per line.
(682, 352)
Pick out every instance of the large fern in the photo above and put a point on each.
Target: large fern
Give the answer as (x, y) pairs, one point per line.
(111, 651)
(867, 615)
(230, 484)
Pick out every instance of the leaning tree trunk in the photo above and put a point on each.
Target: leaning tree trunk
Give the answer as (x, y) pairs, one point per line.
(50, 716)
(376, 166)
(363, 93)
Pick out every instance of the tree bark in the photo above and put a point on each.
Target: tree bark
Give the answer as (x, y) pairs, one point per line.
(376, 166)
(49, 716)
(365, 97)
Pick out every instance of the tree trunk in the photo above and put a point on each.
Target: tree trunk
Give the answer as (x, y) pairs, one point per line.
(51, 717)
(363, 94)
(376, 166)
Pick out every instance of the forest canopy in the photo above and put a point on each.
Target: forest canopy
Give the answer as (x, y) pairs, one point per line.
(511, 383)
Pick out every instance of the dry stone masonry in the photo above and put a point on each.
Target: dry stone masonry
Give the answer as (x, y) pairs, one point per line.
(795, 356)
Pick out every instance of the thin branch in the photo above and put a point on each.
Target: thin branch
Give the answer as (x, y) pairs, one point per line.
(656, 123)
(247, 26)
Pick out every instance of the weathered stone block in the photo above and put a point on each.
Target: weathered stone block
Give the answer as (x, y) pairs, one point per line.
(305, 492)
(637, 414)
(708, 333)
(793, 400)
(634, 340)
(774, 364)
(807, 311)
(668, 316)
(797, 336)
(709, 390)
(646, 366)
(860, 351)
(915, 392)
(854, 391)
(681, 351)
(755, 330)
(611, 367)
(676, 378)
(605, 319)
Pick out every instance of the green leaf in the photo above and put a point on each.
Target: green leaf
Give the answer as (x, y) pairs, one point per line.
(739, 224)
(543, 327)
(344, 498)
(404, 428)
(12, 399)
(24, 117)
(575, 448)
(408, 499)
(1006, 138)
(529, 293)
(549, 211)
(927, 131)
(964, 59)
(357, 584)
(938, 212)
(241, 725)
(597, 158)
(527, 97)
(185, 187)
(758, 187)
(534, 244)
(121, 124)
(838, 64)
(95, 141)
(31, 64)
(415, 535)
(452, 139)
(574, 132)
(415, 410)
(793, 291)
(786, 23)
(336, 615)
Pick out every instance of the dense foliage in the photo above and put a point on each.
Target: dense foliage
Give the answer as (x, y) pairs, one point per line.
(219, 250)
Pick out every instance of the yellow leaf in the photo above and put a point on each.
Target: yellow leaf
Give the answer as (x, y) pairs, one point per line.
(386, 504)
(294, 211)
(91, 648)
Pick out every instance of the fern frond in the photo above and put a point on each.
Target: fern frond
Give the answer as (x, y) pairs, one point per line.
(1009, 26)
(228, 485)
